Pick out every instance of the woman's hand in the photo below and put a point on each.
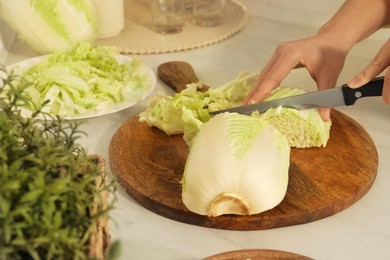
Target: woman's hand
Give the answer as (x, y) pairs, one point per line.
(323, 60)
(380, 63)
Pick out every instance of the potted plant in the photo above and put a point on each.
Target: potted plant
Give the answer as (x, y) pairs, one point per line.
(53, 194)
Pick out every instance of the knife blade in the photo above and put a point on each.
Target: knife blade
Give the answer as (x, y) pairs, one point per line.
(334, 97)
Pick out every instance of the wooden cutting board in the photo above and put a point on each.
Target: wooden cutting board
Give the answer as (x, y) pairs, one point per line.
(258, 254)
(322, 181)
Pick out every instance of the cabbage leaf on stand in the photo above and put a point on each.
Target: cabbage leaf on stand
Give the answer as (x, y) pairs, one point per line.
(85, 79)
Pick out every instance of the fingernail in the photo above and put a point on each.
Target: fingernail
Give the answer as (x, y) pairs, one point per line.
(327, 115)
(358, 81)
(248, 101)
(324, 113)
(352, 83)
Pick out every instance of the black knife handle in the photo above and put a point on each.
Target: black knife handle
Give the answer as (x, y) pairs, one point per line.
(371, 89)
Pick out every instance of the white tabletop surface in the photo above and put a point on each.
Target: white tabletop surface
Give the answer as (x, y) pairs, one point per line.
(361, 231)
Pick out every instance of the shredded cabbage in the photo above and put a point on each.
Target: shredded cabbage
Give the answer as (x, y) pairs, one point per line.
(188, 110)
(86, 79)
(51, 25)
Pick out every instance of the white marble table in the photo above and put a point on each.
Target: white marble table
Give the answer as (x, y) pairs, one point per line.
(362, 231)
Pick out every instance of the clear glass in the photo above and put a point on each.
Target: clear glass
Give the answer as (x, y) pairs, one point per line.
(208, 13)
(168, 15)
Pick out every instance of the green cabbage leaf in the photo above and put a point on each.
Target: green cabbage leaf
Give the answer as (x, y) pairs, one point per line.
(303, 128)
(51, 25)
(187, 111)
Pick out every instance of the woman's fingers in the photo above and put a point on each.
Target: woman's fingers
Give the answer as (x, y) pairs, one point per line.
(380, 62)
(386, 88)
(285, 59)
(324, 113)
(323, 61)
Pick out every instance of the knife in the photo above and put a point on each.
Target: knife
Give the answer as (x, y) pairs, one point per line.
(334, 97)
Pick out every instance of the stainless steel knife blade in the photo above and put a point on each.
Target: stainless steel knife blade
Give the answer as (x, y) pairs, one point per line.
(335, 97)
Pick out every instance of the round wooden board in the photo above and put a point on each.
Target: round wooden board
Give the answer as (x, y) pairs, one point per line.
(322, 181)
(257, 254)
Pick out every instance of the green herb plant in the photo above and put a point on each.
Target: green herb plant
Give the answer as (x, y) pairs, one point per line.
(48, 192)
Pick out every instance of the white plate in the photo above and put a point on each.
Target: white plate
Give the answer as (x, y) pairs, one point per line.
(24, 65)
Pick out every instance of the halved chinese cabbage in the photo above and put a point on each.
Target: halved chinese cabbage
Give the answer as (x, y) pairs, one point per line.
(237, 164)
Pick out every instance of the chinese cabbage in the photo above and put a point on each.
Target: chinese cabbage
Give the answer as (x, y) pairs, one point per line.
(237, 164)
(51, 25)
